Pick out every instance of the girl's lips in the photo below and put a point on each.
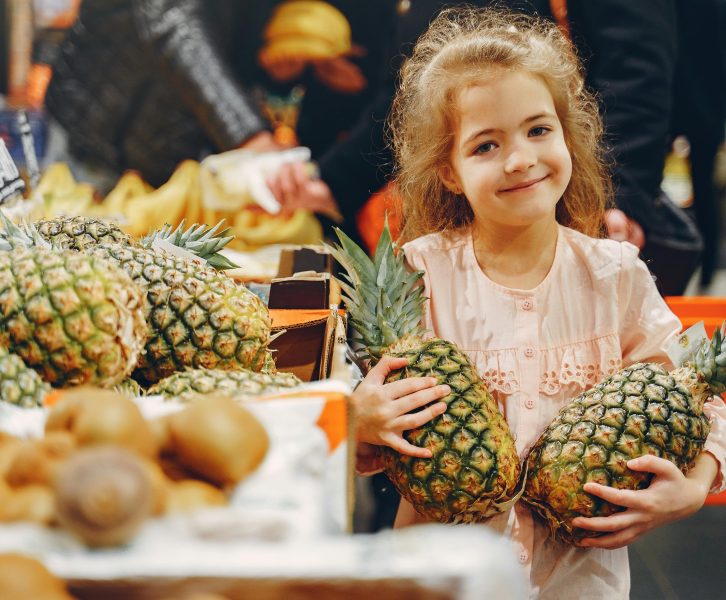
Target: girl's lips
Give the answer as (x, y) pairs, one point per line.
(525, 185)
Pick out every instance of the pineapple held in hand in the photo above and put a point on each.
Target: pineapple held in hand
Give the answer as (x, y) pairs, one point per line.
(474, 470)
(640, 410)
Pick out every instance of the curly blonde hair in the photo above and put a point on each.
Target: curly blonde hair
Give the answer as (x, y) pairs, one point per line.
(460, 48)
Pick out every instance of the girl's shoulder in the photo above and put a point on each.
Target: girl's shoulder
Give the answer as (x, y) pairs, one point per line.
(601, 254)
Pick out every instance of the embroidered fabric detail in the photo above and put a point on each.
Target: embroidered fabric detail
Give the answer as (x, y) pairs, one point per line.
(502, 381)
(583, 376)
(575, 366)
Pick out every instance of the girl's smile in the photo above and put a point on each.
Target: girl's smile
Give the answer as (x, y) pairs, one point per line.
(524, 186)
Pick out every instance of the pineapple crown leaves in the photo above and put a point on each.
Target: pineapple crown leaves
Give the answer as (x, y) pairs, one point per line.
(383, 299)
(202, 240)
(710, 361)
(20, 236)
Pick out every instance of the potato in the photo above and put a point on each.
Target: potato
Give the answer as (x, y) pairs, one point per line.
(31, 465)
(34, 503)
(103, 495)
(160, 485)
(8, 449)
(97, 416)
(218, 439)
(22, 577)
(190, 494)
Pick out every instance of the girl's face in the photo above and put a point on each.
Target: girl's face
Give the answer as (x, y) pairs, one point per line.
(509, 156)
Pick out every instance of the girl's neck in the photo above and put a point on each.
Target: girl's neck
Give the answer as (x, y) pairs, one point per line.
(517, 258)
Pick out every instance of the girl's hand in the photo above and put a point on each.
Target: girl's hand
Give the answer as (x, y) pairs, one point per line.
(670, 496)
(382, 409)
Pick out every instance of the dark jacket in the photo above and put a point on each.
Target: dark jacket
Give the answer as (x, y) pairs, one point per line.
(143, 84)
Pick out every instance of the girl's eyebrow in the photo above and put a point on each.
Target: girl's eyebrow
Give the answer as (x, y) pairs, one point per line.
(476, 134)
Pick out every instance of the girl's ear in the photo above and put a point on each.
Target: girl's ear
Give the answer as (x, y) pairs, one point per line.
(449, 179)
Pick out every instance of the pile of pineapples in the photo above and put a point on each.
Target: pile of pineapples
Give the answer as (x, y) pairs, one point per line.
(81, 302)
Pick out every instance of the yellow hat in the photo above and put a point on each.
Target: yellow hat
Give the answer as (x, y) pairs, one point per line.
(307, 29)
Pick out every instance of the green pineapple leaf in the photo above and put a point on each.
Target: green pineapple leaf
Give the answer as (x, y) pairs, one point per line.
(201, 240)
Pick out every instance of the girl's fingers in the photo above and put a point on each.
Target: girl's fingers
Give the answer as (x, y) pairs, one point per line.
(412, 386)
(387, 364)
(626, 498)
(609, 524)
(653, 464)
(417, 419)
(288, 185)
(614, 540)
(402, 446)
(421, 397)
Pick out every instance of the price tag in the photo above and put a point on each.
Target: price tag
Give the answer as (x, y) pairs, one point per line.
(11, 184)
(683, 349)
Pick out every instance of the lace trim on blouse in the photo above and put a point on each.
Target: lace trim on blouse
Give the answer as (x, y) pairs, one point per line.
(582, 364)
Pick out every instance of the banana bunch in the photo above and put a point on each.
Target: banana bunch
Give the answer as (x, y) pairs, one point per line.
(306, 29)
(254, 228)
(138, 208)
(58, 193)
(177, 199)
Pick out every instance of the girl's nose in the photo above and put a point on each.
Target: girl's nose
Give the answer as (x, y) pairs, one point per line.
(519, 159)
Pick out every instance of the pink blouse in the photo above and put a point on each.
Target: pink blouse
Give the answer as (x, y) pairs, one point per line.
(596, 311)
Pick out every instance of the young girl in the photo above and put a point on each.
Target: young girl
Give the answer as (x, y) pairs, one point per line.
(504, 190)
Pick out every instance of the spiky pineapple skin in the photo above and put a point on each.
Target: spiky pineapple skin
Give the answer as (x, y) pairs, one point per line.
(80, 233)
(475, 468)
(75, 319)
(198, 317)
(193, 382)
(20, 385)
(640, 410)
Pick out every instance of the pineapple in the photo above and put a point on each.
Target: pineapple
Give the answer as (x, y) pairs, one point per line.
(20, 385)
(640, 410)
(76, 319)
(79, 233)
(197, 316)
(189, 383)
(474, 471)
(129, 388)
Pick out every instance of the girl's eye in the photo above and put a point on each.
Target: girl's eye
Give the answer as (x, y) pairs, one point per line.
(538, 131)
(485, 147)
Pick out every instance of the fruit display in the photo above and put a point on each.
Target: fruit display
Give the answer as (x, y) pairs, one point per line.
(102, 469)
(641, 410)
(185, 385)
(196, 315)
(475, 469)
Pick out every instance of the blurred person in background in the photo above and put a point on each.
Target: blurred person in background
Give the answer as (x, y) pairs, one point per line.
(699, 111)
(142, 84)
